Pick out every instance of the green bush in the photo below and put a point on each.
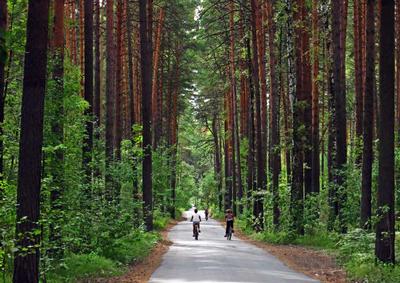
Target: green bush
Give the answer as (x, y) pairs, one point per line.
(358, 245)
(160, 220)
(369, 271)
(320, 240)
(84, 266)
(132, 247)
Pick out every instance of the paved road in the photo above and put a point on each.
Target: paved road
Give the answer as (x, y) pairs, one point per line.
(213, 259)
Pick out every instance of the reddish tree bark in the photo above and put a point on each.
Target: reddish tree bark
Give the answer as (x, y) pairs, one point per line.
(155, 93)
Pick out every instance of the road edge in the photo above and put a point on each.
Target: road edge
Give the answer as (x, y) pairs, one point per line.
(301, 262)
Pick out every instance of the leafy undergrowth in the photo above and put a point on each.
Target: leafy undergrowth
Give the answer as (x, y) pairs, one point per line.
(111, 260)
(84, 266)
(353, 251)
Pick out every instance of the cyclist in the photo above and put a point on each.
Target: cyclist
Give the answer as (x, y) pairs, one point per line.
(196, 219)
(206, 213)
(229, 219)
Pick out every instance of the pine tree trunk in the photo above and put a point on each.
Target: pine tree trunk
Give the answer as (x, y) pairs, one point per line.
(251, 176)
(228, 154)
(397, 48)
(56, 158)
(244, 85)
(307, 96)
(315, 166)
(174, 144)
(146, 68)
(368, 119)
(154, 91)
(274, 105)
(385, 232)
(237, 172)
(110, 98)
(358, 65)
(119, 92)
(26, 266)
(88, 90)
(97, 65)
(338, 30)
(299, 127)
(81, 43)
(217, 158)
(129, 39)
(3, 29)
(258, 210)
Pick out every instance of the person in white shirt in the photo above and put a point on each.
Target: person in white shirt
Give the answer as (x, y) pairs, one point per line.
(196, 219)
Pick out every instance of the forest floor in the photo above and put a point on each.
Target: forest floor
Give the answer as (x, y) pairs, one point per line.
(315, 263)
(140, 272)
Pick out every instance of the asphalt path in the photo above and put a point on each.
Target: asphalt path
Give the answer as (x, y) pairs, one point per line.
(213, 259)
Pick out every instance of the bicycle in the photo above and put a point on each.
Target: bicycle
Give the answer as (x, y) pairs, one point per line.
(229, 234)
(196, 231)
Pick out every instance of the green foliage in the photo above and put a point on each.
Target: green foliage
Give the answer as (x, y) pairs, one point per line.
(7, 222)
(322, 240)
(83, 266)
(131, 248)
(373, 272)
(160, 220)
(356, 252)
(357, 245)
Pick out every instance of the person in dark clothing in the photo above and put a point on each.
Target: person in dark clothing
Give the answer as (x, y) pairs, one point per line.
(229, 219)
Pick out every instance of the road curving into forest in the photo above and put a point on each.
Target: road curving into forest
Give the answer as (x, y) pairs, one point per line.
(213, 259)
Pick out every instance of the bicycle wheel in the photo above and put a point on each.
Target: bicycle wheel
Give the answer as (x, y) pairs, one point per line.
(196, 232)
